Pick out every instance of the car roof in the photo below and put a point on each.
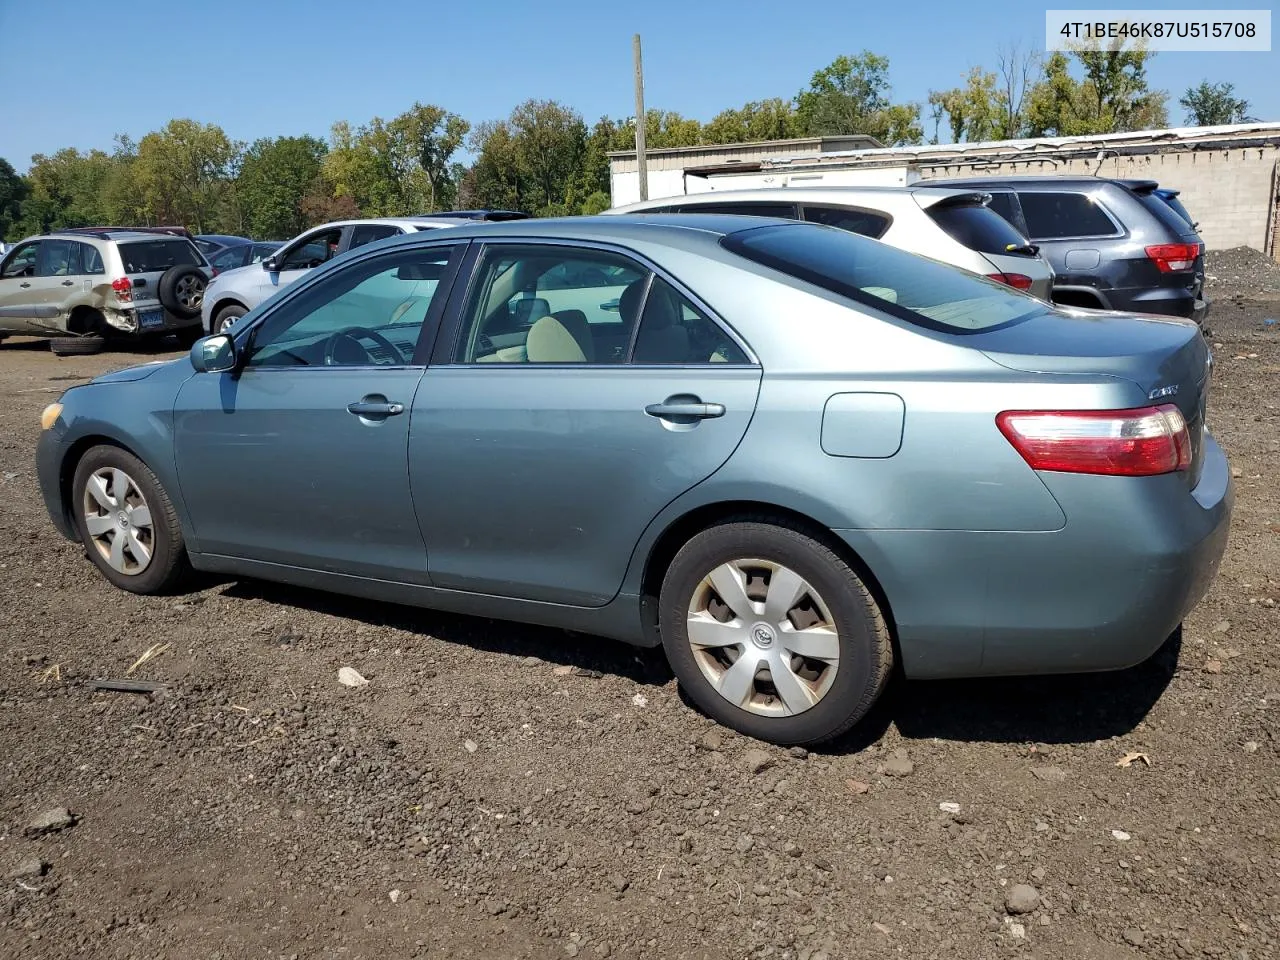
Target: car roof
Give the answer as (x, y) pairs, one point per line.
(114, 235)
(1037, 179)
(828, 194)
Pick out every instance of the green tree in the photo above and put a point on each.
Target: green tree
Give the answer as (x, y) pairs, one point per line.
(424, 139)
(593, 183)
(549, 141)
(494, 179)
(66, 190)
(1212, 104)
(13, 190)
(275, 176)
(975, 111)
(772, 119)
(851, 95)
(183, 172)
(1112, 97)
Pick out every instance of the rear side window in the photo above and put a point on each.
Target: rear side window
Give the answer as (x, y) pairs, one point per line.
(369, 232)
(979, 228)
(90, 261)
(157, 256)
(920, 291)
(1052, 216)
(863, 222)
(1176, 205)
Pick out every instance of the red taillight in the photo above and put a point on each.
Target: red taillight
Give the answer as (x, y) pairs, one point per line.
(1119, 443)
(1172, 257)
(123, 287)
(1016, 280)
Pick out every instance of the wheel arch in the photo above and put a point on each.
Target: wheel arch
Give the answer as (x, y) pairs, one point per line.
(221, 304)
(689, 524)
(71, 460)
(85, 319)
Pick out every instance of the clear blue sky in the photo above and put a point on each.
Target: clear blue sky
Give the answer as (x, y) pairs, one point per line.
(275, 67)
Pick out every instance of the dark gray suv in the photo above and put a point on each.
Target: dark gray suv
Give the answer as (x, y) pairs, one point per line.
(1113, 244)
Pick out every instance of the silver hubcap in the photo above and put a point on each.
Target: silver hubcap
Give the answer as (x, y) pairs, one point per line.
(190, 291)
(763, 637)
(227, 324)
(118, 521)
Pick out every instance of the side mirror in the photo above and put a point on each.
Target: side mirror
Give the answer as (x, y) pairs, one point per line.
(214, 354)
(271, 265)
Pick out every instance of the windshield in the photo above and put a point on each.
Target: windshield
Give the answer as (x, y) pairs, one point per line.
(921, 291)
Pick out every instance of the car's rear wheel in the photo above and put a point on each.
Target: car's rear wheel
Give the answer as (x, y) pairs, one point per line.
(227, 316)
(772, 633)
(127, 522)
(77, 346)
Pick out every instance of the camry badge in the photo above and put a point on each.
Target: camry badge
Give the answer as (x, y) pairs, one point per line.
(1159, 392)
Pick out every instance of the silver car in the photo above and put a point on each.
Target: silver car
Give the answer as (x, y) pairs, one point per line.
(951, 224)
(235, 292)
(789, 455)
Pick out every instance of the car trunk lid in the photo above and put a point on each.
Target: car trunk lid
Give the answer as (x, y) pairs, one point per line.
(1167, 358)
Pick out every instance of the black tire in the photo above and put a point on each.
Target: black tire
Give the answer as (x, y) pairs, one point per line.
(228, 315)
(168, 563)
(865, 649)
(77, 346)
(181, 290)
(187, 336)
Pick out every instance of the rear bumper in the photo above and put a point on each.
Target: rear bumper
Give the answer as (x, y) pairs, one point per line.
(1102, 593)
(1165, 301)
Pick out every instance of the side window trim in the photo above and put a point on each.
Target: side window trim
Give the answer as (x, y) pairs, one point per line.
(451, 327)
(430, 323)
(1118, 229)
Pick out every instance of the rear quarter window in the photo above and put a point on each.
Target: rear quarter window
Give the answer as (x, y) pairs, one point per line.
(922, 292)
(157, 256)
(979, 228)
(866, 223)
(1054, 216)
(1163, 210)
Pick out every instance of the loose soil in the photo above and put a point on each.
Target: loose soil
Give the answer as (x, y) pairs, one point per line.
(478, 800)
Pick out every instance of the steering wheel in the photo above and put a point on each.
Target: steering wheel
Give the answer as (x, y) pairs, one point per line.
(351, 337)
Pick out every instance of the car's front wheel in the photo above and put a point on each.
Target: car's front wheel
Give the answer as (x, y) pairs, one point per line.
(127, 522)
(772, 633)
(227, 316)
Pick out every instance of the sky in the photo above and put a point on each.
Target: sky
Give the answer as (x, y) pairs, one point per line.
(264, 68)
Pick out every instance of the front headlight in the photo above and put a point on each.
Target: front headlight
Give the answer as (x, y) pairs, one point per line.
(49, 416)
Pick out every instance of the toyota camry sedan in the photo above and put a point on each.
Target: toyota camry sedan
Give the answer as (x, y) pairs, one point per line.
(791, 456)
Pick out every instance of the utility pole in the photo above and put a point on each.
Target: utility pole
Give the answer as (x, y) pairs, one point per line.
(641, 163)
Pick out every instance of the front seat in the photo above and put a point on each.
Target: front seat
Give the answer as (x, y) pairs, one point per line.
(551, 342)
(662, 338)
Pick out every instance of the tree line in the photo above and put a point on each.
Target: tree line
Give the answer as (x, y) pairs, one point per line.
(544, 158)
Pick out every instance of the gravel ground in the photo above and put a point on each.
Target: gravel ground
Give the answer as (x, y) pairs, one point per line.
(502, 791)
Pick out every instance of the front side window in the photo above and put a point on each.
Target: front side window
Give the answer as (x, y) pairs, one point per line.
(22, 261)
(920, 291)
(314, 250)
(674, 331)
(551, 304)
(372, 313)
(369, 232)
(1054, 216)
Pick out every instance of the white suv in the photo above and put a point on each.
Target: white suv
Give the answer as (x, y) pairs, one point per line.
(78, 287)
(951, 224)
(233, 294)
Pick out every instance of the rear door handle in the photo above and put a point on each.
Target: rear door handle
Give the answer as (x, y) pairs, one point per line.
(685, 409)
(24, 284)
(375, 407)
(68, 283)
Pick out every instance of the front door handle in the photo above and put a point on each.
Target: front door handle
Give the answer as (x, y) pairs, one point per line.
(375, 406)
(685, 409)
(24, 284)
(68, 283)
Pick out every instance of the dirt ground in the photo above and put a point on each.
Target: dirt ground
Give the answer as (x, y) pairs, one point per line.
(480, 800)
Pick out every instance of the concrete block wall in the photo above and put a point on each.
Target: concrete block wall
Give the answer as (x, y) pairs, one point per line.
(1230, 192)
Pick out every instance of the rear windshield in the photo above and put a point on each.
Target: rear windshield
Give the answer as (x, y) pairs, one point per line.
(980, 228)
(1178, 208)
(921, 291)
(157, 256)
(1164, 211)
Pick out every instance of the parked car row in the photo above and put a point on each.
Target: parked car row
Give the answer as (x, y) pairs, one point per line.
(792, 456)
(81, 286)
(1080, 241)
